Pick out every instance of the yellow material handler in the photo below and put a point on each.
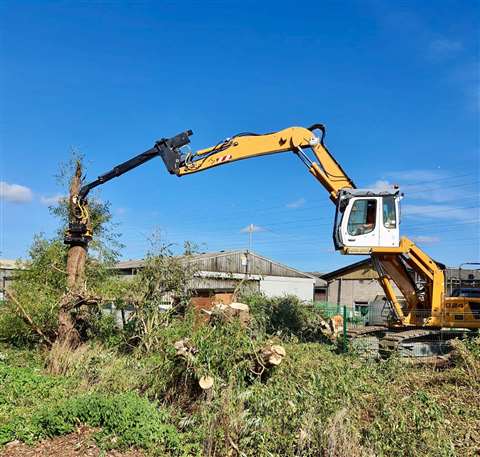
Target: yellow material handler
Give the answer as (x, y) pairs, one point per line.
(367, 222)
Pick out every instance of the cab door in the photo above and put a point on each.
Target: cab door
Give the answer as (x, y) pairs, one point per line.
(389, 226)
(360, 223)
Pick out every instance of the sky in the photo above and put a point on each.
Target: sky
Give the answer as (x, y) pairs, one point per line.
(396, 84)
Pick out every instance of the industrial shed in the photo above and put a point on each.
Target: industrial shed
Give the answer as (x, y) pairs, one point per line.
(221, 272)
(355, 285)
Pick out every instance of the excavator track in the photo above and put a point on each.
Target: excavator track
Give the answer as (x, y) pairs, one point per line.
(366, 340)
(418, 346)
(427, 344)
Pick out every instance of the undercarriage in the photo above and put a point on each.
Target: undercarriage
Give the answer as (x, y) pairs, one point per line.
(421, 344)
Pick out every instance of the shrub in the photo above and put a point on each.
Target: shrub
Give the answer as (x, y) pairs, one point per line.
(35, 406)
(286, 317)
(125, 420)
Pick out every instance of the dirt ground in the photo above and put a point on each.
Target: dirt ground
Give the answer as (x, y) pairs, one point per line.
(75, 444)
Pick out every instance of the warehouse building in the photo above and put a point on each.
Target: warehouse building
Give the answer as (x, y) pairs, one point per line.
(355, 285)
(221, 273)
(320, 287)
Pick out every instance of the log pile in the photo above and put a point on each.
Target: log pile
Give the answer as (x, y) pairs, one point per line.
(332, 327)
(185, 349)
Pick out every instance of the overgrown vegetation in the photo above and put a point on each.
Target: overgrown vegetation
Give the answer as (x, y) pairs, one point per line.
(137, 389)
(316, 402)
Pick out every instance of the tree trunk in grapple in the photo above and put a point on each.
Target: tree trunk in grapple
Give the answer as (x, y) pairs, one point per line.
(77, 255)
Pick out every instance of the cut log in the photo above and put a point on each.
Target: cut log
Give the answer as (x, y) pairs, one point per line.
(228, 313)
(206, 382)
(239, 307)
(273, 354)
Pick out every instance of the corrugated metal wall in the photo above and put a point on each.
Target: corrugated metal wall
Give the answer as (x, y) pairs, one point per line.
(223, 284)
(241, 262)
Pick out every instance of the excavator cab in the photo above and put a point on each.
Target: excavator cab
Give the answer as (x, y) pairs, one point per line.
(366, 219)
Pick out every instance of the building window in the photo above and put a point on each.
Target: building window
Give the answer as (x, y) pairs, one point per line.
(361, 308)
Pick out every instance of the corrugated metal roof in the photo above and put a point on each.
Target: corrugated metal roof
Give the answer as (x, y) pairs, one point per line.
(366, 263)
(231, 262)
(319, 281)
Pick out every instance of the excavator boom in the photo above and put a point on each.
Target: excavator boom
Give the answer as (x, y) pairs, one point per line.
(248, 145)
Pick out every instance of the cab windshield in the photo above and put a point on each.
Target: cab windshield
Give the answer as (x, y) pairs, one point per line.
(362, 218)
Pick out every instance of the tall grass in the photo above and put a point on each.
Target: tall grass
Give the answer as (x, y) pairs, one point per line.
(316, 402)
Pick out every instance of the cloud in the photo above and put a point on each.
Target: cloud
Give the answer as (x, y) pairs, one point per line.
(296, 203)
(15, 193)
(433, 195)
(381, 185)
(445, 47)
(52, 200)
(425, 239)
(252, 228)
(120, 211)
(435, 186)
(445, 212)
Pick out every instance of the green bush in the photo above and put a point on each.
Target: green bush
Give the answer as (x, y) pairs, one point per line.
(316, 402)
(24, 389)
(125, 420)
(286, 317)
(34, 406)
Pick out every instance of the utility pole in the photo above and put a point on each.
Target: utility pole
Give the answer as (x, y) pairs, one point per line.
(250, 237)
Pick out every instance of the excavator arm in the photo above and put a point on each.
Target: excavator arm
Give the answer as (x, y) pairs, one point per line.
(247, 145)
(243, 146)
(79, 230)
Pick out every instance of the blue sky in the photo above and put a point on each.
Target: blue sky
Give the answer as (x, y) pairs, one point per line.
(396, 83)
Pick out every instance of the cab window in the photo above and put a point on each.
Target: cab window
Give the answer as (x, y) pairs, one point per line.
(389, 216)
(362, 217)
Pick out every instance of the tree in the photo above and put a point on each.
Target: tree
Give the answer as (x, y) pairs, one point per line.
(60, 284)
(164, 279)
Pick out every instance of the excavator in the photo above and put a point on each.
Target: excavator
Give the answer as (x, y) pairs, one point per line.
(367, 222)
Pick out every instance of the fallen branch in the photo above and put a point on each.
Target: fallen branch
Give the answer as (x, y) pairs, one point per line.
(27, 319)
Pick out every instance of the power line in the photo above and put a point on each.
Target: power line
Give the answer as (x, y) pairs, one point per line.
(282, 207)
(296, 221)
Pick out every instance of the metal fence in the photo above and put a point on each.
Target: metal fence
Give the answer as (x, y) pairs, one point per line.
(364, 330)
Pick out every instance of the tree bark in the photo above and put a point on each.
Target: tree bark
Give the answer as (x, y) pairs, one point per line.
(76, 258)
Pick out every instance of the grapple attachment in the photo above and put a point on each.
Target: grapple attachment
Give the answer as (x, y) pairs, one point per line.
(169, 150)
